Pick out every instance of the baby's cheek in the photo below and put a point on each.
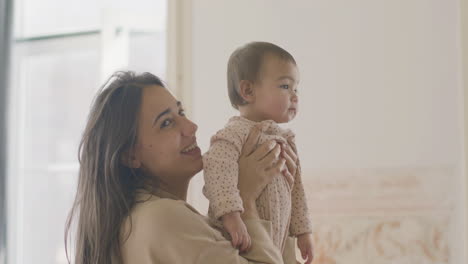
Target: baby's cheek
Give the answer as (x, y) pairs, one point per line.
(281, 107)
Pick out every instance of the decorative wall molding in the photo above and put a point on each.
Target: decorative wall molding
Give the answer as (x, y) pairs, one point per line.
(381, 216)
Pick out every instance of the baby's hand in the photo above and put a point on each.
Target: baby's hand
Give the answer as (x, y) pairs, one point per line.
(236, 228)
(304, 243)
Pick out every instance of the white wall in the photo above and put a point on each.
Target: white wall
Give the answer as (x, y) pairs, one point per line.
(379, 91)
(464, 20)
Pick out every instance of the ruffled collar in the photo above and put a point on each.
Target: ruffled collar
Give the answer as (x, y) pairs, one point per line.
(268, 127)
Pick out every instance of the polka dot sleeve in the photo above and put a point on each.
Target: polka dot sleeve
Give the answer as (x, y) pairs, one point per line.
(221, 175)
(300, 219)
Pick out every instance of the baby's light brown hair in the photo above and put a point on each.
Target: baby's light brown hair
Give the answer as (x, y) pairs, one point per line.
(245, 64)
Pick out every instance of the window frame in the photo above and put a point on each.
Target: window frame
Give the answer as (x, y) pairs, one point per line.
(6, 14)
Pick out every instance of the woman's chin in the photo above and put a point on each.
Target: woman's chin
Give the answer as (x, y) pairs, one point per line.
(197, 168)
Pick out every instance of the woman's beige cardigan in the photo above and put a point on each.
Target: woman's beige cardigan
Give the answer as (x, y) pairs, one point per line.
(166, 230)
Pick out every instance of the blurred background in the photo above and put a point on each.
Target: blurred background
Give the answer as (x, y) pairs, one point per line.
(381, 131)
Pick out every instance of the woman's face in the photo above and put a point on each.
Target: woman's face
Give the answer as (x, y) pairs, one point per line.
(166, 144)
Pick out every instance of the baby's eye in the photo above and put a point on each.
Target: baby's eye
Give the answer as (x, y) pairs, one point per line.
(284, 86)
(166, 123)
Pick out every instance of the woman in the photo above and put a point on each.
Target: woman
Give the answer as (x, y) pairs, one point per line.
(137, 156)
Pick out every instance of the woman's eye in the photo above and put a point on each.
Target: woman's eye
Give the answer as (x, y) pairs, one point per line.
(166, 123)
(285, 86)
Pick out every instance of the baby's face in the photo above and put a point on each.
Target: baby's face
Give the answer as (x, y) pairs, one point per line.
(276, 90)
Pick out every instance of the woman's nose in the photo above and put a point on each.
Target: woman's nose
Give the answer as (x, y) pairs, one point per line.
(189, 129)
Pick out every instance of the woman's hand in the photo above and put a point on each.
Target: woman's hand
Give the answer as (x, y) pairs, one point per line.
(257, 167)
(288, 153)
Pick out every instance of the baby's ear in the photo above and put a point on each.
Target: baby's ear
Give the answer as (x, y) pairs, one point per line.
(129, 159)
(246, 91)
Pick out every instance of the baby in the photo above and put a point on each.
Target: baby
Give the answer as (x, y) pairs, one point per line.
(262, 85)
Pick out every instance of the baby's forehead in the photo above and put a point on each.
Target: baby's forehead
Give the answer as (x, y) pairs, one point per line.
(271, 57)
(273, 64)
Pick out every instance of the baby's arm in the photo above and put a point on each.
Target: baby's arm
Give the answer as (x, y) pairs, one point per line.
(304, 243)
(221, 178)
(220, 170)
(301, 225)
(236, 228)
(300, 220)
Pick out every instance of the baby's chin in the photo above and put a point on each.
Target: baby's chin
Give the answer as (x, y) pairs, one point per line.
(285, 119)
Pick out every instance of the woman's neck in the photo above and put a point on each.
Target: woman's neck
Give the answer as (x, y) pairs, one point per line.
(178, 190)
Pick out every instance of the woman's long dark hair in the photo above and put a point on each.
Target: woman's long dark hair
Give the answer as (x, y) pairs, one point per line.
(106, 187)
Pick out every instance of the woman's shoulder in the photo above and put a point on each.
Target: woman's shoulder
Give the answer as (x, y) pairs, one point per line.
(164, 217)
(155, 225)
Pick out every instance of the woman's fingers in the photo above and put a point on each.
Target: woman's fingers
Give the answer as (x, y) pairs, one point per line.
(289, 178)
(265, 149)
(288, 149)
(271, 157)
(292, 144)
(278, 167)
(290, 163)
(252, 140)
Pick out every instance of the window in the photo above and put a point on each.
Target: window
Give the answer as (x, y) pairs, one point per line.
(62, 53)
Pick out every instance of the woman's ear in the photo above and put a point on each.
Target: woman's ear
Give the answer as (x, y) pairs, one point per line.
(246, 91)
(130, 159)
